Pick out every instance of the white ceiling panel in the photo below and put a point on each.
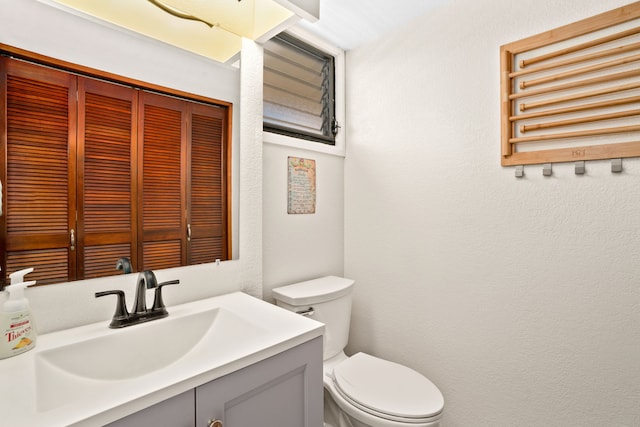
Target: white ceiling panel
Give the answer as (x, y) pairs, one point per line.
(350, 23)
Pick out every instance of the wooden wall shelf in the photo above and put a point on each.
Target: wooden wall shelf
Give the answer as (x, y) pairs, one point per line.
(573, 93)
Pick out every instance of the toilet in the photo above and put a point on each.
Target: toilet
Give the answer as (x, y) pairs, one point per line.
(360, 390)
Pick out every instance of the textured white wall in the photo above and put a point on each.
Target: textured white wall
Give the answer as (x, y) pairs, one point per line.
(519, 298)
(301, 247)
(251, 167)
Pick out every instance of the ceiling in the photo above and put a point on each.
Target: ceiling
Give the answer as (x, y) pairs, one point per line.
(351, 23)
(211, 28)
(344, 23)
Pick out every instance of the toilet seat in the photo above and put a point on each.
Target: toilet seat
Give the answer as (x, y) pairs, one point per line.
(387, 390)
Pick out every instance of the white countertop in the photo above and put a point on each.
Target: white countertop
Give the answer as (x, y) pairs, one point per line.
(36, 391)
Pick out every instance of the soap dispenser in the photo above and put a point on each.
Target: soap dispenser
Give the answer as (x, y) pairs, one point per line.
(18, 333)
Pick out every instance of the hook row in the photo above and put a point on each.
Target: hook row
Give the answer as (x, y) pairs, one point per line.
(580, 168)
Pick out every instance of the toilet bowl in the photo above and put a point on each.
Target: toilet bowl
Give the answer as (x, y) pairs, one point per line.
(360, 390)
(374, 392)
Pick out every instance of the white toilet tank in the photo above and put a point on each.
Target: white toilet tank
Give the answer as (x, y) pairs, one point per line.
(327, 300)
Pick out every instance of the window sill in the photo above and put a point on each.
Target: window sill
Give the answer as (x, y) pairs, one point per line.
(277, 139)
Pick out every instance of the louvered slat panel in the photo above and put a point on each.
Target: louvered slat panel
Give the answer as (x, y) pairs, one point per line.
(306, 87)
(206, 250)
(289, 58)
(163, 202)
(207, 185)
(37, 168)
(107, 163)
(40, 166)
(206, 171)
(107, 129)
(100, 261)
(162, 173)
(281, 115)
(283, 97)
(162, 254)
(50, 265)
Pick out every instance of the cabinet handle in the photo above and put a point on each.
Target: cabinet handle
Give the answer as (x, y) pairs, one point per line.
(73, 239)
(215, 423)
(189, 239)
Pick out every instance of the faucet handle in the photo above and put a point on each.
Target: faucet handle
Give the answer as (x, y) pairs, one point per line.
(158, 303)
(121, 314)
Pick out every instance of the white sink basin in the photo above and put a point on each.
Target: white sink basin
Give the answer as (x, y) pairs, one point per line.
(71, 372)
(130, 352)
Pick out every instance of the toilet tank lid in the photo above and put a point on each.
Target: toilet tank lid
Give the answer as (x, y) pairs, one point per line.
(313, 291)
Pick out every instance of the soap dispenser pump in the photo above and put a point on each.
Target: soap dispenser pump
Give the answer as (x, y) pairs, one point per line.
(16, 326)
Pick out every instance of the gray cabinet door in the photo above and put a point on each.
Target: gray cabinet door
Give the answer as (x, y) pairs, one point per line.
(285, 390)
(174, 412)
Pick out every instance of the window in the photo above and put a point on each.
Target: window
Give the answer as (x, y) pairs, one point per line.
(96, 171)
(299, 90)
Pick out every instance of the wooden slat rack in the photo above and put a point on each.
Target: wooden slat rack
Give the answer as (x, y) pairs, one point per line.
(573, 93)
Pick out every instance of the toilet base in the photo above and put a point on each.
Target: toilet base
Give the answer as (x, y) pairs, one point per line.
(333, 416)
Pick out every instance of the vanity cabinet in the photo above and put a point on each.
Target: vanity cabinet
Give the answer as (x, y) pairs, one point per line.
(284, 390)
(174, 412)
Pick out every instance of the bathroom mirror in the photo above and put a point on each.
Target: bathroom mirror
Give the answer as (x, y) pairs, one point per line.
(125, 168)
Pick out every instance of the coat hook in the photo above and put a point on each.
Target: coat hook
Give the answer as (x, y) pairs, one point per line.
(546, 169)
(616, 165)
(580, 168)
(519, 171)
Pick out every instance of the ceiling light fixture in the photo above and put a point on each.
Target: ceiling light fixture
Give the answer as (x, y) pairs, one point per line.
(178, 13)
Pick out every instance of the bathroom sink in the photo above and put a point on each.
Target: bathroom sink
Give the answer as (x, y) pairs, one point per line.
(92, 375)
(70, 372)
(133, 352)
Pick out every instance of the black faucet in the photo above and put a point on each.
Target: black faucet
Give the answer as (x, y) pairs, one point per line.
(125, 265)
(140, 313)
(146, 280)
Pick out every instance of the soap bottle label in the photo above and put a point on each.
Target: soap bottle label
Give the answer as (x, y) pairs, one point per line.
(17, 334)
